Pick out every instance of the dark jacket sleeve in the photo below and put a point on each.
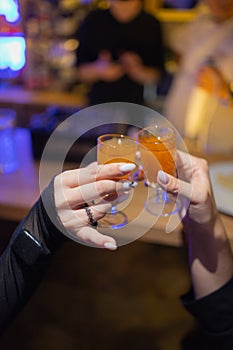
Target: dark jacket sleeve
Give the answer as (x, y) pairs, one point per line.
(26, 257)
(214, 314)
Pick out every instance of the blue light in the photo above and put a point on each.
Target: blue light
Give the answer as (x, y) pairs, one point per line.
(12, 42)
(10, 9)
(12, 53)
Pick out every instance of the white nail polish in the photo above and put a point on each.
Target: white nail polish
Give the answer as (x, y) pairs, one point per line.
(127, 185)
(110, 246)
(163, 177)
(127, 167)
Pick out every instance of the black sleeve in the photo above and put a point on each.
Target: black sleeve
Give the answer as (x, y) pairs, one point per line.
(26, 257)
(214, 314)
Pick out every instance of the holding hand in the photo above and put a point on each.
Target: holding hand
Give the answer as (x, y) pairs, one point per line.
(77, 191)
(210, 256)
(194, 185)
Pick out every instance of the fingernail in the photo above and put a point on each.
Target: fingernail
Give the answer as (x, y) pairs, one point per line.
(163, 177)
(127, 167)
(110, 246)
(127, 184)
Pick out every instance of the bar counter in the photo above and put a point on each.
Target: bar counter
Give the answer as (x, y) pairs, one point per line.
(27, 102)
(41, 97)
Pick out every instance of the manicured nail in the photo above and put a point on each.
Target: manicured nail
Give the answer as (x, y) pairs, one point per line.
(110, 246)
(127, 167)
(163, 177)
(127, 185)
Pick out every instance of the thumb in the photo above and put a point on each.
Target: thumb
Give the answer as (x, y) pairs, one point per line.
(183, 191)
(173, 185)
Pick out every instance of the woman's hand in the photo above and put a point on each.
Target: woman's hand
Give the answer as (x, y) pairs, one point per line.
(210, 255)
(192, 183)
(75, 189)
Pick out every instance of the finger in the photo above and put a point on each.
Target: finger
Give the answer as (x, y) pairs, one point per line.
(119, 197)
(173, 185)
(90, 236)
(74, 220)
(92, 164)
(94, 172)
(114, 170)
(184, 165)
(97, 211)
(96, 191)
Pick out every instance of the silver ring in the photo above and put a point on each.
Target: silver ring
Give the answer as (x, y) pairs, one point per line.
(90, 216)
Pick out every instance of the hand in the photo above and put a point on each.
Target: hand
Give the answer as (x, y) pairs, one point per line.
(133, 66)
(104, 68)
(74, 188)
(108, 70)
(210, 255)
(194, 185)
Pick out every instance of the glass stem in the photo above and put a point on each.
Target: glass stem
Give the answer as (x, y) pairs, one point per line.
(161, 194)
(113, 209)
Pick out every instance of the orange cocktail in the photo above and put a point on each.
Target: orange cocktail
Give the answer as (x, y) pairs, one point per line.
(157, 149)
(116, 148)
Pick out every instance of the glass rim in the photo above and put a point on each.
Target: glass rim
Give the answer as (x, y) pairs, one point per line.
(166, 138)
(117, 136)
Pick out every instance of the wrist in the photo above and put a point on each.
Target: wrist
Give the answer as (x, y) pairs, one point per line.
(53, 230)
(203, 236)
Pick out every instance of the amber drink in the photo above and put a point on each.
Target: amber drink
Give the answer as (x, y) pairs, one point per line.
(116, 148)
(157, 146)
(157, 149)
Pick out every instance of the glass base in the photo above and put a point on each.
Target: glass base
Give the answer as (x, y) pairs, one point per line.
(113, 220)
(162, 205)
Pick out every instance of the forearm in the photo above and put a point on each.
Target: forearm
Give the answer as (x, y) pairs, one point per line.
(25, 261)
(210, 256)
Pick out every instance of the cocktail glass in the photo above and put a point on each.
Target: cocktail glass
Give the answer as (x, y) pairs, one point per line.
(157, 145)
(116, 148)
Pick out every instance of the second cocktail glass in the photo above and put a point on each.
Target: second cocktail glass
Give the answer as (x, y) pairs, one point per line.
(116, 148)
(157, 144)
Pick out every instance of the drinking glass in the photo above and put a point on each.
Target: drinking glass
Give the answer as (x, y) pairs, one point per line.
(116, 148)
(157, 144)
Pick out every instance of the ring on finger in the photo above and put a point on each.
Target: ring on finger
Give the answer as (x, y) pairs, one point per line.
(90, 216)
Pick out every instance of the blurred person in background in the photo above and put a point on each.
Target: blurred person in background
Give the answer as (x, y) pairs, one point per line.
(120, 52)
(204, 49)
